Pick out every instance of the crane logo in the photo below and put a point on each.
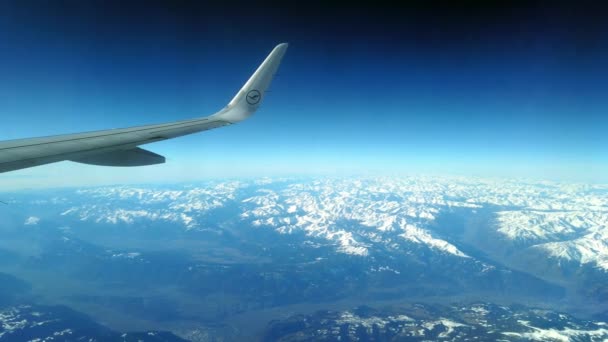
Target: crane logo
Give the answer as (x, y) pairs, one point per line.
(253, 97)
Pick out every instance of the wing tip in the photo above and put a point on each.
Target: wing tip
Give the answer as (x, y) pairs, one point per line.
(249, 97)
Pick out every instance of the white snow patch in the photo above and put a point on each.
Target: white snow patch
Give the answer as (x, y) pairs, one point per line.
(418, 235)
(32, 221)
(565, 335)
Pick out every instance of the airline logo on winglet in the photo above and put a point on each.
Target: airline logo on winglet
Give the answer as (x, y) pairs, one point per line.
(253, 97)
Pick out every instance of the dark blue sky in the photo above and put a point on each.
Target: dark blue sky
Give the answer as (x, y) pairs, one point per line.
(507, 89)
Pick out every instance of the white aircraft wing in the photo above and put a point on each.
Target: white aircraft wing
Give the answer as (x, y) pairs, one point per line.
(119, 147)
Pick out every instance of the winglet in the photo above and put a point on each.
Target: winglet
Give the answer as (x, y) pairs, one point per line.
(249, 98)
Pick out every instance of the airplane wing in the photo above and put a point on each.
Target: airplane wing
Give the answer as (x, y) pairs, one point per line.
(119, 147)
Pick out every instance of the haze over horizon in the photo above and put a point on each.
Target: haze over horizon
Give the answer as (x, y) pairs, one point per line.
(494, 90)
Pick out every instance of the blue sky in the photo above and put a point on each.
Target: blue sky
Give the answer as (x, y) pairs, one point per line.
(511, 89)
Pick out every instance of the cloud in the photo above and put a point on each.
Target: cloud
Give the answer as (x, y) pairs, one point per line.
(32, 221)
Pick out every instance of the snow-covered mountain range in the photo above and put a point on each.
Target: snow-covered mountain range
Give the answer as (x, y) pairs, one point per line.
(564, 221)
(419, 322)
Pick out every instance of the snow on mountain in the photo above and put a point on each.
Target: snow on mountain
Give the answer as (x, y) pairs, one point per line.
(11, 321)
(128, 205)
(330, 209)
(368, 323)
(565, 221)
(554, 334)
(589, 248)
(421, 322)
(578, 235)
(422, 236)
(31, 221)
(548, 226)
(60, 323)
